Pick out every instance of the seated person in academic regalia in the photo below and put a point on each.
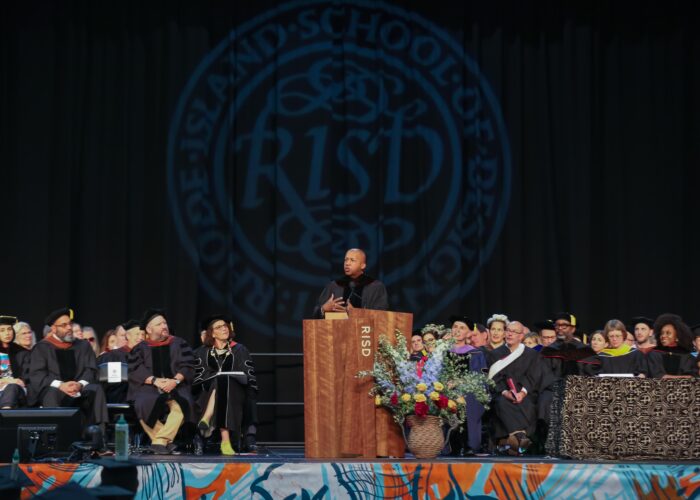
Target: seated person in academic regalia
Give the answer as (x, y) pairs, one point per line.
(467, 441)
(63, 371)
(643, 329)
(497, 325)
(161, 370)
(12, 360)
(418, 351)
(226, 403)
(672, 357)
(520, 377)
(116, 392)
(620, 358)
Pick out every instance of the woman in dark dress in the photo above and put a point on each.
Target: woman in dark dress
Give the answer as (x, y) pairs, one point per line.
(226, 404)
(672, 357)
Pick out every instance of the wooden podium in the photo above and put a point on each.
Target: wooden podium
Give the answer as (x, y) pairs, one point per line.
(340, 418)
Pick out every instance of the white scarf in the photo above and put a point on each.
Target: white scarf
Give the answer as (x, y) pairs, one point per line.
(502, 363)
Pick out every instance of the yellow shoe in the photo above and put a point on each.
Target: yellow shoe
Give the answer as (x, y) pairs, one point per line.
(226, 448)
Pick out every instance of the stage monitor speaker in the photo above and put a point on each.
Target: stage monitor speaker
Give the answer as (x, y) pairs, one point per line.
(38, 432)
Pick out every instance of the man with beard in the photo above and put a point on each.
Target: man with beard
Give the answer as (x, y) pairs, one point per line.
(161, 370)
(354, 289)
(520, 377)
(12, 359)
(63, 371)
(643, 329)
(116, 392)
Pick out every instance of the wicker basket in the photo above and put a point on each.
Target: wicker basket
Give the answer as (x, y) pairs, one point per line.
(426, 438)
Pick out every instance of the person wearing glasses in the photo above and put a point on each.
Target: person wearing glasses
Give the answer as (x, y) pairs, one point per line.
(12, 358)
(161, 370)
(226, 403)
(619, 357)
(90, 336)
(63, 371)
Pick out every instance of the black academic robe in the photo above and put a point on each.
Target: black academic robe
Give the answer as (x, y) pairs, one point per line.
(563, 358)
(236, 404)
(365, 292)
(14, 396)
(150, 404)
(115, 392)
(526, 371)
(633, 362)
(671, 361)
(76, 362)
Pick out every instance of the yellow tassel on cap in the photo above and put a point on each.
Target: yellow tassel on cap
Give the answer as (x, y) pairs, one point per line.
(71, 315)
(573, 320)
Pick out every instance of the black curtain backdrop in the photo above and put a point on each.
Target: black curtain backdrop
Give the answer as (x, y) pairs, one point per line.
(221, 156)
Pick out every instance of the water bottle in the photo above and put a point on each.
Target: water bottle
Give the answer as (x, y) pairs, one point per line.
(14, 471)
(121, 439)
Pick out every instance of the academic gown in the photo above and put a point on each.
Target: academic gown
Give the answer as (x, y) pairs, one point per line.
(52, 360)
(14, 395)
(526, 371)
(115, 392)
(236, 404)
(633, 362)
(175, 357)
(671, 361)
(365, 292)
(473, 360)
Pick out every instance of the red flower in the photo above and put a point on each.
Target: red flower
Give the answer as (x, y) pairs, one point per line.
(442, 402)
(394, 399)
(453, 410)
(421, 409)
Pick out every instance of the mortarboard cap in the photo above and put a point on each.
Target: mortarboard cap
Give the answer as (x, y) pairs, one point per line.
(641, 319)
(8, 320)
(131, 324)
(463, 319)
(546, 324)
(54, 315)
(206, 322)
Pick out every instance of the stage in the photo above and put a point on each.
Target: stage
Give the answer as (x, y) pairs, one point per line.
(285, 473)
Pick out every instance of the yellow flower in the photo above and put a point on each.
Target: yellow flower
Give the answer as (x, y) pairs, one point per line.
(405, 397)
(434, 395)
(420, 398)
(438, 386)
(378, 400)
(451, 404)
(461, 400)
(422, 387)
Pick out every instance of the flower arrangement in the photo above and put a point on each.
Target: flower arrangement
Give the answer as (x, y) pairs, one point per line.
(435, 385)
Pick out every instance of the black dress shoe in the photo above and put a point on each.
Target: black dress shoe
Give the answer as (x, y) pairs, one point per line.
(198, 446)
(466, 452)
(172, 449)
(160, 449)
(250, 444)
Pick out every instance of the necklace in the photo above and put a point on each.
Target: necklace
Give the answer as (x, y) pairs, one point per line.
(217, 353)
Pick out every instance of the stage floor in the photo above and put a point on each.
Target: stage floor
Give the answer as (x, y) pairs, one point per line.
(285, 473)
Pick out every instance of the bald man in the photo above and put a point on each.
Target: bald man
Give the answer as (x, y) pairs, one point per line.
(354, 289)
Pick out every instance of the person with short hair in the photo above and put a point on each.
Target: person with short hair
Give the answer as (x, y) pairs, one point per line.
(161, 369)
(226, 404)
(24, 335)
(63, 371)
(619, 357)
(532, 340)
(519, 378)
(90, 336)
(497, 325)
(643, 329)
(354, 289)
(117, 393)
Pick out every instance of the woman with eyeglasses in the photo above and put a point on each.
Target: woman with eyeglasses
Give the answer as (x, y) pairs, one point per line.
(620, 357)
(225, 403)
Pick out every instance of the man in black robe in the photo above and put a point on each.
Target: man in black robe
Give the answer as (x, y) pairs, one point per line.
(116, 392)
(520, 377)
(63, 371)
(354, 289)
(161, 370)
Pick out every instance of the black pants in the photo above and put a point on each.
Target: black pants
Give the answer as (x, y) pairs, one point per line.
(92, 402)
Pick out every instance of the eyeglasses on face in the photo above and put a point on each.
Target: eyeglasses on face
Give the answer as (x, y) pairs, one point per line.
(89, 339)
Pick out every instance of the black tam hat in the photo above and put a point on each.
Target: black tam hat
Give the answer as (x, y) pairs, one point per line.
(641, 319)
(149, 315)
(566, 316)
(206, 322)
(696, 330)
(547, 324)
(132, 323)
(53, 316)
(463, 319)
(8, 320)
